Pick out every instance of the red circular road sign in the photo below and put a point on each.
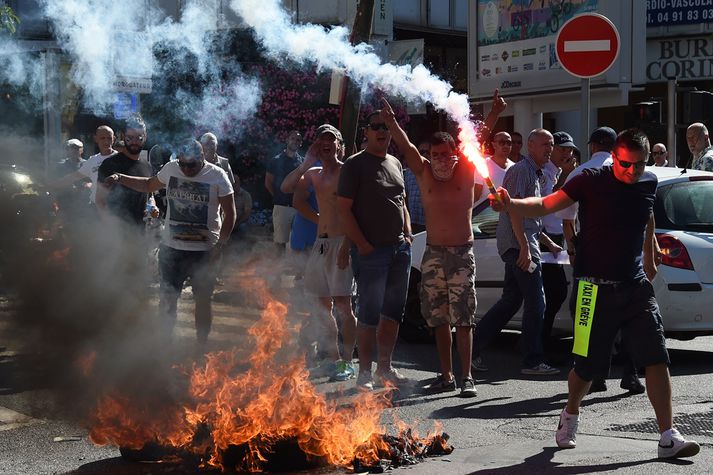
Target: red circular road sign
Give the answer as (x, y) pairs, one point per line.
(587, 45)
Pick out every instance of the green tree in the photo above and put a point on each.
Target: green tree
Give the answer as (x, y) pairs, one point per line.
(8, 19)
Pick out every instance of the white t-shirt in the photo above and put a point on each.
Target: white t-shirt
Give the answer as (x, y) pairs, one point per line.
(598, 160)
(497, 175)
(192, 215)
(90, 168)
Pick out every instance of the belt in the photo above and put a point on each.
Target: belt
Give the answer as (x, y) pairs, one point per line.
(598, 281)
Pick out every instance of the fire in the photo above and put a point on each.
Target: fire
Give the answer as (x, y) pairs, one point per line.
(471, 148)
(251, 410)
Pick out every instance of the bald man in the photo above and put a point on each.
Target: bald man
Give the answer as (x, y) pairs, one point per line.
(660, 155)
(104, 138)
(699, 143)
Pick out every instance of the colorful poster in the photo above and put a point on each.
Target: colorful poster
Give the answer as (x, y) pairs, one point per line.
(516, 36)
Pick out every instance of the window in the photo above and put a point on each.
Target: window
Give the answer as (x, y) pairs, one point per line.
(687, 206)
(407, 11)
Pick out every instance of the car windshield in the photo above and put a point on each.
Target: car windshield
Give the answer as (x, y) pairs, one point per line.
(687, 205)
(484, 221)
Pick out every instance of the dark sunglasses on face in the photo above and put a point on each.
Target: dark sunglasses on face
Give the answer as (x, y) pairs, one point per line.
(657, 152)
(378, 126)
(625, 164)
(132, 138)
(188, 165)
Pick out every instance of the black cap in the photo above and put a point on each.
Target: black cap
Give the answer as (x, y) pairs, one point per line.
(563, 139)
(329, 129)
(603, 136)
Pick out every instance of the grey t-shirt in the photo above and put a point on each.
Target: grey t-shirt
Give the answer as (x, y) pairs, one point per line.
(376, 185)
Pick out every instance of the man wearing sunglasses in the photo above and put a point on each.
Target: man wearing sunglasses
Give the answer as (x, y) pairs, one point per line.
(371, 204)
(498, 163)
(195, 232)
(613, 293)
(119, 201)
(660, 155)
(601, 144)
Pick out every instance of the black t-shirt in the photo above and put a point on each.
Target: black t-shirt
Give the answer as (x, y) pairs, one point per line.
(376, 185)
(613, 218)
(121, 201)
(280, 167)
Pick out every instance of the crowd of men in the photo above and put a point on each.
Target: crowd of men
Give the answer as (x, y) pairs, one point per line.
(345, 226)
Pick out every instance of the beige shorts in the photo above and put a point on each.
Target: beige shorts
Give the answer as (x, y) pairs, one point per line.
(448, 286)
(323, 277)
(282, 217)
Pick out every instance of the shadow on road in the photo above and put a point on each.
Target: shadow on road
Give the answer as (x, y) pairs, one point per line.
(543, 463)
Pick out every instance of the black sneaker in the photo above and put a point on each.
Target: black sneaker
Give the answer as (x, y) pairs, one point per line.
(440, 385)
(599, 385)
(467, 389)
(631, 383)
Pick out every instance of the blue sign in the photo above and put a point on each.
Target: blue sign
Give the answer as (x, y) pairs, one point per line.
(125, 105)
(678, 12)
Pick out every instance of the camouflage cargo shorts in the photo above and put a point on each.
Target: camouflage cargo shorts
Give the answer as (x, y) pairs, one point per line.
(448, 285)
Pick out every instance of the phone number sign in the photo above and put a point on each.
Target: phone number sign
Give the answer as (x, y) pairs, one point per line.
(678, 12)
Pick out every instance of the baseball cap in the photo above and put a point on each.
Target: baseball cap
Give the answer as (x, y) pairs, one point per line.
(563, 139)
(603, 136)
(74, 143)
(329, 129)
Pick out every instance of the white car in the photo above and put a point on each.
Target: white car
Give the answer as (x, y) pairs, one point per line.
(684, 284)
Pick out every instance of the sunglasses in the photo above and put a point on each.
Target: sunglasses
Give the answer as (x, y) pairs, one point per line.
(653, 154)
(625, 164)
(187, 165)
(134, 138)
(378, 126)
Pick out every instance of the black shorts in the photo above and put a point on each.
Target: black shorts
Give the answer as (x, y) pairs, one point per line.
(631, 308)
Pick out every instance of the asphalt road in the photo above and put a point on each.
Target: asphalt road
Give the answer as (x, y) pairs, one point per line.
(507, 429)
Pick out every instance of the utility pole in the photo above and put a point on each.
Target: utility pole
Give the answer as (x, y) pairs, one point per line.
(351, 96)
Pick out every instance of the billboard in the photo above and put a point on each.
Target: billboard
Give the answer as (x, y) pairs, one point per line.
(515, 48)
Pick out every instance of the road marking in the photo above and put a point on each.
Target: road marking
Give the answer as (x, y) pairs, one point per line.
(10, 419)
(583, 46)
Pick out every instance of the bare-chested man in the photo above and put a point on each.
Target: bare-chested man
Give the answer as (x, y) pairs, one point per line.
(448, 267)
(328, 274)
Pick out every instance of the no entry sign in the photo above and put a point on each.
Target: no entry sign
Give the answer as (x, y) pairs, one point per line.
(587, 45)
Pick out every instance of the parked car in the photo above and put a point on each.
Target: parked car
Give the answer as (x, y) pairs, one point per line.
(684, 284)
(31, 223)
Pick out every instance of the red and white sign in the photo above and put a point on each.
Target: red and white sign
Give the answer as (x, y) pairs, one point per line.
(587, 45)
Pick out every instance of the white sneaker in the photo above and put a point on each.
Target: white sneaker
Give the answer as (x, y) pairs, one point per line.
(673, 445)
(566, 435)
(365, 381)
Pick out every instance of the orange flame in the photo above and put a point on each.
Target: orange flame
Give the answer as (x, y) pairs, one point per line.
(272, 400)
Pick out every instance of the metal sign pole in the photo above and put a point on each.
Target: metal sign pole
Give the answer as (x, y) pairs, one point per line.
(671, 123)
(584, 131)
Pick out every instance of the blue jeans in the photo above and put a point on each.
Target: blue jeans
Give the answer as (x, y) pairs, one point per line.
(382, 283)
(519, 285)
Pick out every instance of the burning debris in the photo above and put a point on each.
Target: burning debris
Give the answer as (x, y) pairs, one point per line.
(268, 416)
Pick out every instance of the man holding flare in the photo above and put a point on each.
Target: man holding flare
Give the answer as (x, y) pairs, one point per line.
(613, 292)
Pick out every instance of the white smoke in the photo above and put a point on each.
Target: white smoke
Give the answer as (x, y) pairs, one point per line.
(106, 40)
(329, 48)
